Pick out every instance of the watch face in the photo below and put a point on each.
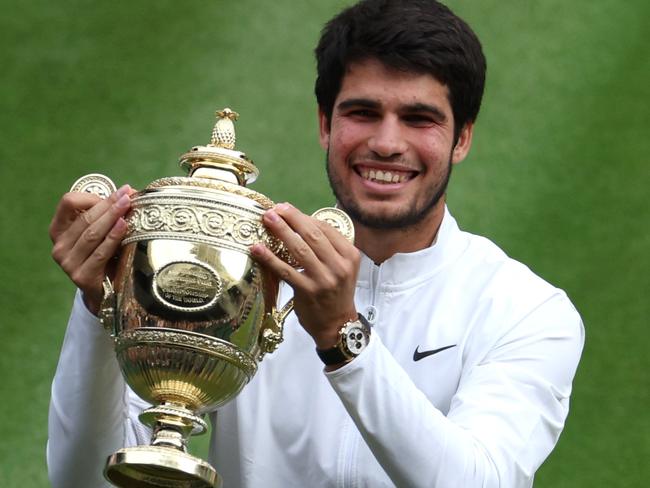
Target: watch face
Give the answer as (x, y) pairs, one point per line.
(356, 339)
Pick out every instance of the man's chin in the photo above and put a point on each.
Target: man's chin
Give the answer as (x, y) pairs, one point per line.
(385, 219)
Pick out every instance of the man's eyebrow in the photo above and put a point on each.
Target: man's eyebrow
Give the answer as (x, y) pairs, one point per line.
(358, 102)
(432, 110)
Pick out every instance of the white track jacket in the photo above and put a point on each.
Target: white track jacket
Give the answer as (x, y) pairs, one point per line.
(465, 383)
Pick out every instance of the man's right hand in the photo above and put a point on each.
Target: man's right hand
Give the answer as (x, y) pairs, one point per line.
(87, 232)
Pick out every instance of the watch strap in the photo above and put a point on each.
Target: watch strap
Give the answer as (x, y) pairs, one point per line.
(331, 356)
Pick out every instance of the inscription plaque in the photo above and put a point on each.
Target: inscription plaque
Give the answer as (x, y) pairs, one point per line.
(187, 286)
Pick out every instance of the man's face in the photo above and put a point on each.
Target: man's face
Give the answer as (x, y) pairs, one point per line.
(390, 145)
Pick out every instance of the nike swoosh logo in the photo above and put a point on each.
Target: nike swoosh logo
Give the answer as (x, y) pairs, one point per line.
(417, 355)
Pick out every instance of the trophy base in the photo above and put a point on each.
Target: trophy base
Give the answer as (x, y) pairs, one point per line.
(155, 467)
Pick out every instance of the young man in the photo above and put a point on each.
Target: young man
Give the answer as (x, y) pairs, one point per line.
(464, 377)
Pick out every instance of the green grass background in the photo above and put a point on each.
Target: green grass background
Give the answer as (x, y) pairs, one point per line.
(558, 175)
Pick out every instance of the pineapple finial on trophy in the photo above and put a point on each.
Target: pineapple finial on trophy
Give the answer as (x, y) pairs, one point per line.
(219, 159)
(223, 133)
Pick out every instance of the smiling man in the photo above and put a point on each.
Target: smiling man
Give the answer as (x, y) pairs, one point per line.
(421, 356)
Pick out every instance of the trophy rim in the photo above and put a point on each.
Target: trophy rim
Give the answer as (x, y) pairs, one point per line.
(215, 347)
(170, 182)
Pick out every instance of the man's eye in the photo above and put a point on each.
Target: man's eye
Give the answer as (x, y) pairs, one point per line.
(418, 120)
(363, 114)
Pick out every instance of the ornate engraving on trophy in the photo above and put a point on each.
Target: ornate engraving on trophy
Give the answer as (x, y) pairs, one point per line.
(214, 349)
(186, 286)
(186, 218)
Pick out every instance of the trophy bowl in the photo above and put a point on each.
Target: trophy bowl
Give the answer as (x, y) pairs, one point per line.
(190, 311)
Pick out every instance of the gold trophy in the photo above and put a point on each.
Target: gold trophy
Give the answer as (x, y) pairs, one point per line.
(190, 311)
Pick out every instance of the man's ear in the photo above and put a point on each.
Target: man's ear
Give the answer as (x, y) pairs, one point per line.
(324, 129)
(463, 144)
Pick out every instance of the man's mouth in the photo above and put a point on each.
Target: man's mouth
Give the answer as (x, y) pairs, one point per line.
(385, 176)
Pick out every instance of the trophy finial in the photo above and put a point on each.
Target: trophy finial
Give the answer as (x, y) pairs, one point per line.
(219, 159)
(223, 134)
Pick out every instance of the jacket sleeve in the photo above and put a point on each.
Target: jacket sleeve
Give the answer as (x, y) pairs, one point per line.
(504, 420)
(92, 411)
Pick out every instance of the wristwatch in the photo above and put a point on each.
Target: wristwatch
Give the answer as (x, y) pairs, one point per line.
(353, 338)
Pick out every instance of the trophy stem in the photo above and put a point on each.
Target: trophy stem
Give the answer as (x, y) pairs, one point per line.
(166, 436)
(172, 425)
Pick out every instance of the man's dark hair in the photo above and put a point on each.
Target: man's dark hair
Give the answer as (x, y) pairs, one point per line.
(420, 36)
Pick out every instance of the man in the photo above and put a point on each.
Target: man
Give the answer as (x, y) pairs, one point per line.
(465, 376)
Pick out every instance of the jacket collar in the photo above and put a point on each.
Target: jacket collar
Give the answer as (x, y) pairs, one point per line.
(402, 269)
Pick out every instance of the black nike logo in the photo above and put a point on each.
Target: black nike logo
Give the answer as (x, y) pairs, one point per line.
(417, 355)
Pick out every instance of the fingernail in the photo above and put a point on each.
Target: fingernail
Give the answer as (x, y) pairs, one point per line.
(257, 249)
(122, 202)
(272, 216)
(283, 206)
(124, 190)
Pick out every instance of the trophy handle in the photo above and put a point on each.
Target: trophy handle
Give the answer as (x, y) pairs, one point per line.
(281, 315)
(271, 336)
(108, 308)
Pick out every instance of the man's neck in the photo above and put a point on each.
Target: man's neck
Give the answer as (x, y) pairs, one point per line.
(381, 244)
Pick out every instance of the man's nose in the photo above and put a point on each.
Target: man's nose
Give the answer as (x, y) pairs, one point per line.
(387, 139)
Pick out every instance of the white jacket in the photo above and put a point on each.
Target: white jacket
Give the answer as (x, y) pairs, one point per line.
(484, 412)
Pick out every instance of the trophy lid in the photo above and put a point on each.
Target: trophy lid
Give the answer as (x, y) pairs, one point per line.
(219, 160)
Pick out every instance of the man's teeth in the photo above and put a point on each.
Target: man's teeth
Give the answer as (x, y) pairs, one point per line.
(384, 176)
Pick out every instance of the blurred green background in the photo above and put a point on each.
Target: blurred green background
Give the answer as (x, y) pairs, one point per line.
(558, 175)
